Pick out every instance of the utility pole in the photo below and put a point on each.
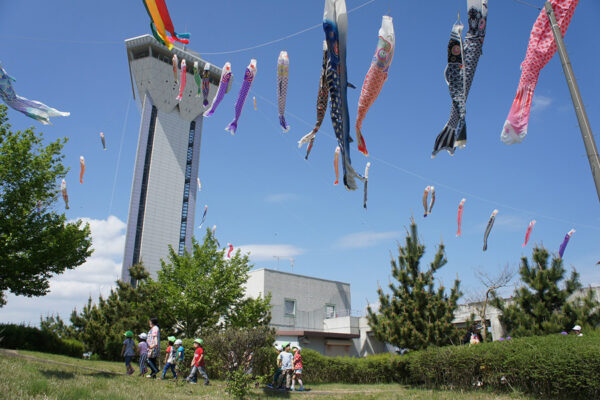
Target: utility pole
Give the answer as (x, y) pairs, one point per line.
(584, 123)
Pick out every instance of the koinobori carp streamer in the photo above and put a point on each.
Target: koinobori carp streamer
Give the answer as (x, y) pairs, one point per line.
(322, 98)
(540, 50)
(221, 91)
(376, 76)
(244, 90)
(283, 72)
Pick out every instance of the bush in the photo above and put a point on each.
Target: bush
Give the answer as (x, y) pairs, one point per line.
(554, 365)
(28, 338)
(380, 368)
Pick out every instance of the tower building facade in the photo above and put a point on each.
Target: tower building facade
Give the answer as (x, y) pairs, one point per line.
(164, 189)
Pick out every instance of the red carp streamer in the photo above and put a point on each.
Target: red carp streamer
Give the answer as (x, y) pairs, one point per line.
(81, 168)
(461, 206)
(336, 165)
(528, 233)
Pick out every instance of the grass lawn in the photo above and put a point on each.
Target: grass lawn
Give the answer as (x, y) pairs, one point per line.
(33, 375)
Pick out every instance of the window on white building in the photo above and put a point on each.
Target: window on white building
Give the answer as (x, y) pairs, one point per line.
(329, 311)
(289, 307)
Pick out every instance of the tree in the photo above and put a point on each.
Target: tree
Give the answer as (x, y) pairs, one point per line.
(540, 306)
(491, 283)
(203, 288)
(36, 242)
(100, 326)
(415, 314)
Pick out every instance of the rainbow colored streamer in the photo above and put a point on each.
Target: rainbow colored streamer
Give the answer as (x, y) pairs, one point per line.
(161, 24)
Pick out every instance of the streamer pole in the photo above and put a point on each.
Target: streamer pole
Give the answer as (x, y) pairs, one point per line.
(584, 123)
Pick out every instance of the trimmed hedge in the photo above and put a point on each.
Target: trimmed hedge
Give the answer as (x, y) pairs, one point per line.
(548, 366)
(28, 338)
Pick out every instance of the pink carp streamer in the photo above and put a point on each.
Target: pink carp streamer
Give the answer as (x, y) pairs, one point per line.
(540, 50)
(65, 196)
(230, 250)
(461, 206)
(376, 77)
(244, 90)
(254, 101)
(223, 84)
(528, 233)
(81, 168)
(183, 80)
(563, 245)
(322, 97)
(488, 229)
(175, 63)
(103, 140)
(428, 189)
(336, 165)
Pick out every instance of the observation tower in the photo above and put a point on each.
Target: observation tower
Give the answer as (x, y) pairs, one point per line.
(163, 193)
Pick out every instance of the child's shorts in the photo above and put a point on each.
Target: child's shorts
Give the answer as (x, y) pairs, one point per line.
(128, 360)
(298, 371)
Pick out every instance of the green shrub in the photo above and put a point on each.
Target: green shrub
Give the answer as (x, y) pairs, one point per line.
(380, 368)
(554, 365)
(29, 338)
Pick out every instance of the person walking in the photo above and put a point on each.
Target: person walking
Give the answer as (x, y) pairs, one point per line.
(286, 359)
(128, 351)
(170, 357)
(198, 363)
(297, 369)
(153, 347)
(143, 352)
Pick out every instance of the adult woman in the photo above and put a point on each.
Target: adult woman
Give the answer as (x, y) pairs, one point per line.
(153, 346)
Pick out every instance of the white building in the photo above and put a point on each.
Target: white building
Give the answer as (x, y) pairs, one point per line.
(314, 313)
(163, 193)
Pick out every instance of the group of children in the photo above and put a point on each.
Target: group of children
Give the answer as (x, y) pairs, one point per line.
(174, 357)
(289, 367)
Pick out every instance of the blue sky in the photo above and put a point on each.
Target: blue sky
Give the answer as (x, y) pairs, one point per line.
(261, 192)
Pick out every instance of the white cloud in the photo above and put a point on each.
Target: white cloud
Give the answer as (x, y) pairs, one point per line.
(280, 197)
(361, 240)
(263, 252)
(72, 289)
(540, 103)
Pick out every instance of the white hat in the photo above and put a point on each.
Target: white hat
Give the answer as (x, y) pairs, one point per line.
(178, 342)
(143, 336)
(278, 347)
(576, 328)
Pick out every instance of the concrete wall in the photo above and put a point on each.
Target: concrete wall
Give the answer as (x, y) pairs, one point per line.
(310, 294)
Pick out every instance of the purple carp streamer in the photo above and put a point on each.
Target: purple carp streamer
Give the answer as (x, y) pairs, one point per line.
(65, 196)
(368, 166)
(223, 83)
(528, 232)
(203, 216)
(283, 73)
(322, 98)
(488, 229)
(376, 77)
(205, 84)
(335, 25)
(455, 78)
(33, 109)
(454, 133)
(103, 140)
(563, 245)
(540, 50)
(244, 90)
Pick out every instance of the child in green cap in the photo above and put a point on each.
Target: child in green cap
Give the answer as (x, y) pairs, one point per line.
(170, 357)
(128, 351)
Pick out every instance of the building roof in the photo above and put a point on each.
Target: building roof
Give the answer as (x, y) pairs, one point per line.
(298, 275)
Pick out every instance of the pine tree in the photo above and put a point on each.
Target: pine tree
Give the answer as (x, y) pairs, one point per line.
(415, 314)
(540, 305)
